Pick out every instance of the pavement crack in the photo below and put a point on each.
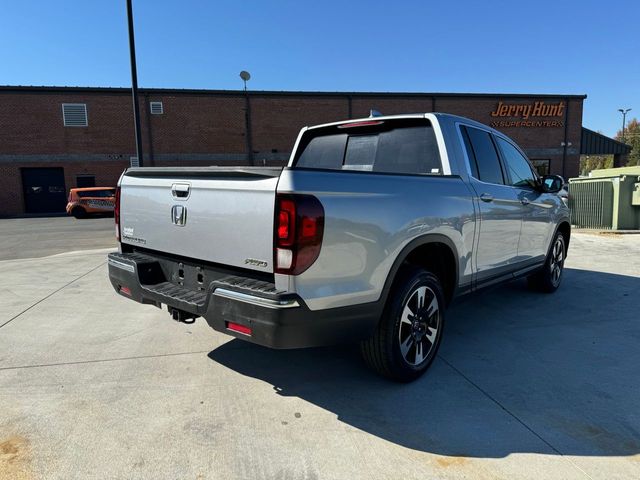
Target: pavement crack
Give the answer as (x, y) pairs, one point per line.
(51, 294)
(511, 414)
(103, 360)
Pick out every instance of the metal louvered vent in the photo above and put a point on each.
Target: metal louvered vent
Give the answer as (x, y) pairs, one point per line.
(74, 114)
(156, 108)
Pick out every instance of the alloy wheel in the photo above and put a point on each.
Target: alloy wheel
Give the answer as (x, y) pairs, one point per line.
(419, 326)
(557, 261)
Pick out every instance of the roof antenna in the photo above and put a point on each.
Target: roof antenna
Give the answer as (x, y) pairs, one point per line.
(374, 113)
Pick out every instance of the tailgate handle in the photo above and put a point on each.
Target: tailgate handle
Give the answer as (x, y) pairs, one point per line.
(180, 190)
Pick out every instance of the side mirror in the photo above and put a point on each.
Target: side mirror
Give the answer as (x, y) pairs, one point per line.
(552, 183)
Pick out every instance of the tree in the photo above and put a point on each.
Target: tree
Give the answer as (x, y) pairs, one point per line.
(594, 162)
(632, 137)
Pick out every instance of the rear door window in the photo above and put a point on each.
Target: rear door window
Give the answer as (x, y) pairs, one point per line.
(410, 149)
(473, 164)
(482, 154)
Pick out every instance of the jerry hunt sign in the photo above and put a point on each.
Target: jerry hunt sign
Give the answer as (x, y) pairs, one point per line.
(536, 114)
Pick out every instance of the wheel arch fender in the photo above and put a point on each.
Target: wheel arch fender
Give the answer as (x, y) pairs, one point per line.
(563, 226)
(419, 245)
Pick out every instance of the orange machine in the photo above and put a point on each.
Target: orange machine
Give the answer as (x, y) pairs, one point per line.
(86, 201)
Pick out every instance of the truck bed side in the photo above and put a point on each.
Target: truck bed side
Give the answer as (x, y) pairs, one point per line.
(369, 219)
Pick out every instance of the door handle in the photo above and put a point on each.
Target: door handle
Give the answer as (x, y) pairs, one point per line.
(525, 201)
(486, 197)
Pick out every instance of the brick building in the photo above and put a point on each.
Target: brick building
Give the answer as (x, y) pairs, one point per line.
(56, 138)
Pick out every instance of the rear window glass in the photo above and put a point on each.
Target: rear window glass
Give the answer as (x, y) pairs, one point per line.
(410, 150)
(324, 152)
(96, 193)
(361, 152)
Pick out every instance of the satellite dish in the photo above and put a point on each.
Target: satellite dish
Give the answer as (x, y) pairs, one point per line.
(244, 75)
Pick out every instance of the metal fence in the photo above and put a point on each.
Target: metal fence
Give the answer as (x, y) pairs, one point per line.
(591, 203)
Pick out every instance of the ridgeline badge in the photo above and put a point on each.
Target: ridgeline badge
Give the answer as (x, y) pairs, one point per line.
(527, 111)
(255, 263)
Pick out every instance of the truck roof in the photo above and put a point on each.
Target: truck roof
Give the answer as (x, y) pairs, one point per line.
(441, 116)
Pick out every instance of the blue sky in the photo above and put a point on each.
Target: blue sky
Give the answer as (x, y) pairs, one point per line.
(424, 46)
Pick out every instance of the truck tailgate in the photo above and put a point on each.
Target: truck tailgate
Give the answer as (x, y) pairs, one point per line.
(212, 214)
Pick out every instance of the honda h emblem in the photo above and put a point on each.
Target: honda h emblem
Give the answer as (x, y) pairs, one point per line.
(179, 215)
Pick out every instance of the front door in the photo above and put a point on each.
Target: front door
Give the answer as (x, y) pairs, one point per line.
(537, 225)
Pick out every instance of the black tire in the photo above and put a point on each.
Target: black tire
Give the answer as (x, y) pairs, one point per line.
(420, 330)
(79, 212)
(548, 279)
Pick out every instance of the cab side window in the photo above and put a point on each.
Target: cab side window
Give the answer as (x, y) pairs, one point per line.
(482, 154)
(518, 168)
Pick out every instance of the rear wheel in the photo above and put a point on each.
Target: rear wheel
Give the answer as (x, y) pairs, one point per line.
(408, 336)
(79, 212)
(549, 278)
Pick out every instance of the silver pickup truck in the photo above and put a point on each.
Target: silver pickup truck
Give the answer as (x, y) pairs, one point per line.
(370, 231)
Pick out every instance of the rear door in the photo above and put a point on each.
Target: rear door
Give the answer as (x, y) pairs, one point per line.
(500, 208)
(217, 215)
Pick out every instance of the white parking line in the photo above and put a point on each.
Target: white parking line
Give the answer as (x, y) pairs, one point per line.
(96, 251)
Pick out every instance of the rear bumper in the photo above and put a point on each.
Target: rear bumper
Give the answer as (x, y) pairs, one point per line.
(276, 319)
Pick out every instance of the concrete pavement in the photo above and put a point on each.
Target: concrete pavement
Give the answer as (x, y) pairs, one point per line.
(526, 385)
(40, 237)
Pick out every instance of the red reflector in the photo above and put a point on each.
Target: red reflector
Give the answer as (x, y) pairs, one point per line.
(361, 124)
(238, 328)
(125, 290)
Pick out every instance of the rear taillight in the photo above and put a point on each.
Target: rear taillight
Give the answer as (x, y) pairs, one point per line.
(298, 233)
(116, 213)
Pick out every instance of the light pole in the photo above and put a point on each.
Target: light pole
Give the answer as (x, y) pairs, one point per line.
(624, 118)
(134, 83)
(246, 76)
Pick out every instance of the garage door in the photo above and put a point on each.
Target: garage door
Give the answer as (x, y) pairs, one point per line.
(44, 190)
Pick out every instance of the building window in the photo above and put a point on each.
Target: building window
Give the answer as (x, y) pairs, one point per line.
(543, 167)
(85, 181)
(156, 108)
(74, 114)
